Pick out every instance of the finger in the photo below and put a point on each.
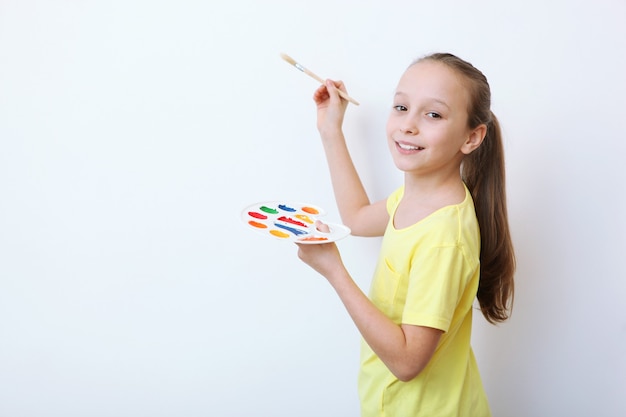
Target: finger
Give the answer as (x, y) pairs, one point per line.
(339, 85)
(331, 87)
(321, 94)
(322, 227)
(337, 91)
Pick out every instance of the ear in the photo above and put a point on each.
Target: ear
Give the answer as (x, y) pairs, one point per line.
(475, 138)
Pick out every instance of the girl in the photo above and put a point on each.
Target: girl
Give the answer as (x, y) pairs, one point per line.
(446, 240)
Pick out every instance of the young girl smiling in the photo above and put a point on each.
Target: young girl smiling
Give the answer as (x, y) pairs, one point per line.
(446, 240)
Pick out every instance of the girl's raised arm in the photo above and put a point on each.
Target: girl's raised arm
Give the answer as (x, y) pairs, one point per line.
(357, 212)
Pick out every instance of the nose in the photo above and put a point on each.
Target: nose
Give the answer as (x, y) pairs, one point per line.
(408, 125)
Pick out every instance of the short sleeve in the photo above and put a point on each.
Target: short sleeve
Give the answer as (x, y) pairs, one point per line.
(438, 280)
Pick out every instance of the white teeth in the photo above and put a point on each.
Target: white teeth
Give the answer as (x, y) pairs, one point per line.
(408, 147)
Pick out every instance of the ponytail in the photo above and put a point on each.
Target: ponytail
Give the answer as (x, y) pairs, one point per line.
(483, 172)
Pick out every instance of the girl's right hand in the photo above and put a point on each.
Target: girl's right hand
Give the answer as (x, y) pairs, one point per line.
(331, 108)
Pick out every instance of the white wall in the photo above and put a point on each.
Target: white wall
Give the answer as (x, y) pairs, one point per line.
(133, 132)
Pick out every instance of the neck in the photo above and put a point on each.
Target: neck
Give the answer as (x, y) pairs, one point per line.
(423, 196)
(436, 189)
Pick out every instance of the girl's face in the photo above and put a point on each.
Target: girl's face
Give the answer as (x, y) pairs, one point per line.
(427, 129)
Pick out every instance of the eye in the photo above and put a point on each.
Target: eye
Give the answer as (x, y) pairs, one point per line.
(400, 107)
(433, 115)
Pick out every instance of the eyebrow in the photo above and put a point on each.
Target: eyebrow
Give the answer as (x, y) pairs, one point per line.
(430, 99)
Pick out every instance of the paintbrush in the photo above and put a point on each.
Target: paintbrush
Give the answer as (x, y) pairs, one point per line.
(312, 75)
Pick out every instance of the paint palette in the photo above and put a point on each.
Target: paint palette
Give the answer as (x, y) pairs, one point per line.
(290, 221)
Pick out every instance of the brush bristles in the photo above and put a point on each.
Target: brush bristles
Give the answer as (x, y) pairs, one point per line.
(288, 59)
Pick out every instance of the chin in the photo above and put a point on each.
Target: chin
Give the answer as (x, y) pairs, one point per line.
(405, 167)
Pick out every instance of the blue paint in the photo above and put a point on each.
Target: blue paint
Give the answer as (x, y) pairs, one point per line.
(286, 208)
(296, 232)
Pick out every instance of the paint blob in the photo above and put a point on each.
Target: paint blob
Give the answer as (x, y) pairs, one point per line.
(313, 239)
(310, 210)
(304, 217)
(286, 208)
(257, 224)
(278, 233)
(292, 221)
(293, 230)
(268, 210)
(257, 215)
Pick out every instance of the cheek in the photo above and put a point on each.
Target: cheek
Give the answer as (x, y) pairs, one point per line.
(390, 132)
(392, 129)
(389, 126)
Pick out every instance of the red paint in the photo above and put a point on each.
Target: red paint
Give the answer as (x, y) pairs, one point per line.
(292, 221)
(257, 215)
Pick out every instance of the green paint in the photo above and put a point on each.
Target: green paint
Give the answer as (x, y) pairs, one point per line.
(268, 210)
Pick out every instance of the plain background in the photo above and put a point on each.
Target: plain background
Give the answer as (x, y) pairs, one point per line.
(132, 133)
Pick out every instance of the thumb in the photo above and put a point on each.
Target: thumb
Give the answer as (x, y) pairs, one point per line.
(322, 227)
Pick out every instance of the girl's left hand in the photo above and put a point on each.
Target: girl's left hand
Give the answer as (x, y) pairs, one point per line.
(324, 258)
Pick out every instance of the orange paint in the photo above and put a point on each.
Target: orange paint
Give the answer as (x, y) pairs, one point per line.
(257, 224)
(313, 239)
(278, 233)
(310, 210)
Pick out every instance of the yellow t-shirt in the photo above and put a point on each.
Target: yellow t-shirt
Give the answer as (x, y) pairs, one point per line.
(427, 275)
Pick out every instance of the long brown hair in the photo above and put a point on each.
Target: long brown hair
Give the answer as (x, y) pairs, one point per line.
(483, 173)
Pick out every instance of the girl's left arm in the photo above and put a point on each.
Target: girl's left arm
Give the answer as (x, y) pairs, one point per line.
(405, 349)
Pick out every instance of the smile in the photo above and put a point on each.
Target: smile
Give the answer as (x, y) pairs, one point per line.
(407, 147)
